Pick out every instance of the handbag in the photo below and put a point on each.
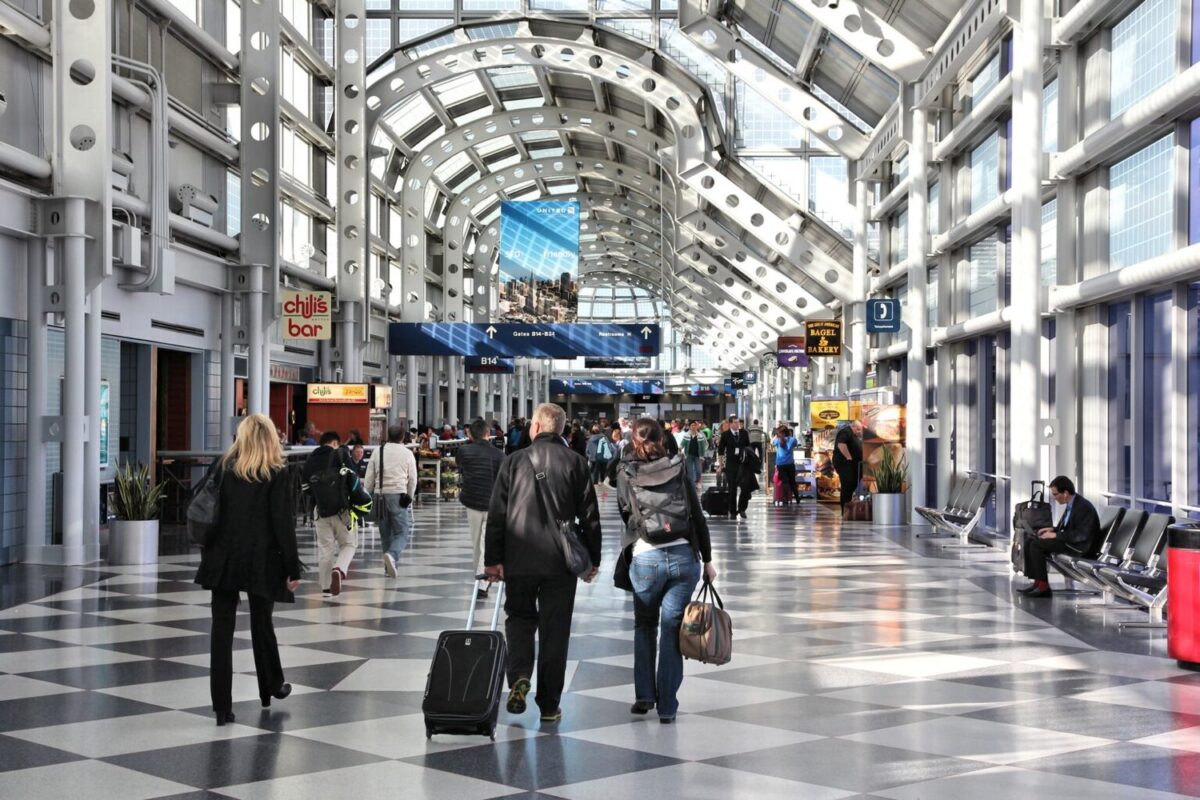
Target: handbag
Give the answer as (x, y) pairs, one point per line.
(378, 511)
(567, 533)
(621, 577)
(859, 507)
(706, 633)
(203, 511)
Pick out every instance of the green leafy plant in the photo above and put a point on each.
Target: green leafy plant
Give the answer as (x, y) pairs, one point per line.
(891, 475)
(133, 497)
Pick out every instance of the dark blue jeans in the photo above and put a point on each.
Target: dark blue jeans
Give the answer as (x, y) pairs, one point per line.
(663, 582)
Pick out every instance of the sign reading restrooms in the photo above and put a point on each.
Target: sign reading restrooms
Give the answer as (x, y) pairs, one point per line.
(306, 315)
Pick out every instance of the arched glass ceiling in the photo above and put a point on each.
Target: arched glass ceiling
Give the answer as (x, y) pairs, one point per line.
(618, 302)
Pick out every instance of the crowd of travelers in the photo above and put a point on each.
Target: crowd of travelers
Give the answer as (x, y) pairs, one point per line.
(518, 487)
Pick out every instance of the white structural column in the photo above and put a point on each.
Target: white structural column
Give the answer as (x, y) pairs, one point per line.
(797, 397)
(354, 192)
(1025, 349)
(35, 447)
(779, 401)
(522, 389)
(228, 396)
(452, 386)
(260, 154)
(918, 232)
(412, 395)
(91, 407)
(858, 330)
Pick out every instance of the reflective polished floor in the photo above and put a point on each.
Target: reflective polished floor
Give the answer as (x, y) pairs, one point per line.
(866, 664)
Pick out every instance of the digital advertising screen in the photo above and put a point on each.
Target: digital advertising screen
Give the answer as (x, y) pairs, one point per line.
(539, 261)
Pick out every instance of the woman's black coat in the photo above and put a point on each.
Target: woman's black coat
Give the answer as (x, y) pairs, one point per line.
(253, 549)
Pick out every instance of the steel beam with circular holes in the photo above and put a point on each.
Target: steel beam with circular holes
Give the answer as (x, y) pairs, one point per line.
(354, 185)
(689, 156)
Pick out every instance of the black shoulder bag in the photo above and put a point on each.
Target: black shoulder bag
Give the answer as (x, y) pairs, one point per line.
(204, 509)
(566, 532)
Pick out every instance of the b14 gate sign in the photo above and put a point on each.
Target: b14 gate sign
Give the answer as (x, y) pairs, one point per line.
(307, 315)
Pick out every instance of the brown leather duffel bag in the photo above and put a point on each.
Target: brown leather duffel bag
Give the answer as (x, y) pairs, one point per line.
(706, 634)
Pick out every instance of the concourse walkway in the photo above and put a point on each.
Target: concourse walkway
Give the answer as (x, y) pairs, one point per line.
(865, 666)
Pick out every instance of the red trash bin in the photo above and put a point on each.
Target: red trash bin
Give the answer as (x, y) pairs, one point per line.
(1183, 594)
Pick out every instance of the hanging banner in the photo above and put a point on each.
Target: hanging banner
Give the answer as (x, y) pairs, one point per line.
(826, 414)
(489, 365)
(539, 261)
(635, 362)
(790, 351)
(824, 337)
(306, 315)
(354, 393)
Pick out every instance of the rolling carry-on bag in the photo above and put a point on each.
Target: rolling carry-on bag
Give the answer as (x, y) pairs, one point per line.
(466, 678)
(1032, 515)
(715, 502)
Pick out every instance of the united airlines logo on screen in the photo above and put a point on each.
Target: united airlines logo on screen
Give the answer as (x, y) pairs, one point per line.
(539, 261)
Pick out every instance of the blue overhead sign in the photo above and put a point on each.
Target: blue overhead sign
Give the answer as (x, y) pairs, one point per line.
(605, 386)
(544, 340)
(705, 390)
(643, 387)
(883, 315)
(489, 365)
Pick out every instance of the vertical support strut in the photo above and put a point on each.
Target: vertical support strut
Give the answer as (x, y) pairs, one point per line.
(354, 187)
(260, 165)
(918, 331)
(1026, 342)
(858, 331)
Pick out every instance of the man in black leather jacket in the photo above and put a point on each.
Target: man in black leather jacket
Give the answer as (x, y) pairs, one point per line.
(521, 548)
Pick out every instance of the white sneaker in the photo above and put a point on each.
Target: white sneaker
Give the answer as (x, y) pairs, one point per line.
(389, 565)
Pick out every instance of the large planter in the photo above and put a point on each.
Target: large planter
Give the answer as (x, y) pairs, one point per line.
(133, 542)
(888, 509)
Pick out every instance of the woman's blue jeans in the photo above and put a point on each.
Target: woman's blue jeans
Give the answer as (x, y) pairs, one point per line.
(663, 582)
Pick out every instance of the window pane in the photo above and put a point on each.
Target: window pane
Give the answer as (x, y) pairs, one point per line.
(378, 37)
(981, 282)
(1193, 390)
(1155, 444)
(1119, 399)
(985, 80)
(933, 205)
(1050, 117)
(829, 193)
(985, 172)
(1143, 52)
(1140, 198)
(1050, 243)
(900, 238)
(762, 124)
(931, 298)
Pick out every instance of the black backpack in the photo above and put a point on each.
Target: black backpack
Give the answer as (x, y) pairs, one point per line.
(330, 487)
(658, 502)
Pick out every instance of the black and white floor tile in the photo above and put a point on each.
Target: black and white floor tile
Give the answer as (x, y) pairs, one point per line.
(867, 665)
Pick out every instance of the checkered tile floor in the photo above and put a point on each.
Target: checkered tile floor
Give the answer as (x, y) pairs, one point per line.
(866, 665)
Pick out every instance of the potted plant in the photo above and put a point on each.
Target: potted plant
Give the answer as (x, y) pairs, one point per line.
(135, 503)
(891, 481)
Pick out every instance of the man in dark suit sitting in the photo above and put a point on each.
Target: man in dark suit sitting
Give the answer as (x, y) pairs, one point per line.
(1077, 530)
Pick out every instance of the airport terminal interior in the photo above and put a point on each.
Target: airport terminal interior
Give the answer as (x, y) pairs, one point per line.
(961, 235)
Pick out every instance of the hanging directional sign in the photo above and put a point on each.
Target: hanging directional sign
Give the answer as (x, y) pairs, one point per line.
(636, 362)
(650, 387)
(535, 340)
(644, 388)
(883, 315)
(489, 365)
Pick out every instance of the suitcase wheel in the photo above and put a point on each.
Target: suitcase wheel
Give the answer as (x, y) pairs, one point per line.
(428, 733)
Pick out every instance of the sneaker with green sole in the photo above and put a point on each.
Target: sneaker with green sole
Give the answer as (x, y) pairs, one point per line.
(552, 716)
(516, 696)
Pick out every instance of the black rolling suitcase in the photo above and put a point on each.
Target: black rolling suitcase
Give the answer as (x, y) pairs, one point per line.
(715, 501)
(1034, 514)
(466, 678)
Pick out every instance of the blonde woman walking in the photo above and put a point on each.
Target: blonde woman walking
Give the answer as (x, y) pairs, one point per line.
(252, 550)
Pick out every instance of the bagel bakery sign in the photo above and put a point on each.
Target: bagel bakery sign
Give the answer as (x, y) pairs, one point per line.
(306, 315)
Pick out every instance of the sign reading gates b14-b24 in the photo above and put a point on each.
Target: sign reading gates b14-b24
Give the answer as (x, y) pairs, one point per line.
(539, 261)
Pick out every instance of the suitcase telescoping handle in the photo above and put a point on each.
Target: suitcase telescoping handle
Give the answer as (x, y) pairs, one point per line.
(495, 611)
(1035, 493)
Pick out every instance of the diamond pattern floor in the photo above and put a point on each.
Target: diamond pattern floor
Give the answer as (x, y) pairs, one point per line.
(867, 665)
